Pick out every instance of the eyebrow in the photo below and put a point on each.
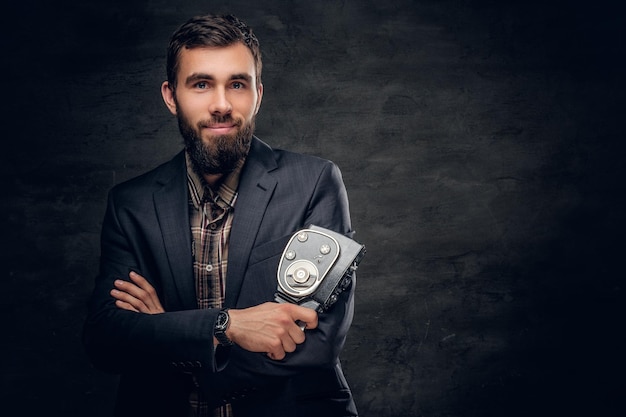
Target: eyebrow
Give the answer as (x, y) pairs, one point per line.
(198, 76)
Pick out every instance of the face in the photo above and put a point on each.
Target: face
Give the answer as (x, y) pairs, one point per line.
(216, 100)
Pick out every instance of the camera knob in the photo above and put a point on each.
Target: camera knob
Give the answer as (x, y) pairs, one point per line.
(325, 249)
(301, 275)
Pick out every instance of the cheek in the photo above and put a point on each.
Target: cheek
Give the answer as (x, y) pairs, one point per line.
(248, 108)
(192, 111)
(243, 103)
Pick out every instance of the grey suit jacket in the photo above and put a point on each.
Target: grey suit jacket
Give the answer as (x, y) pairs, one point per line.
(146, 228)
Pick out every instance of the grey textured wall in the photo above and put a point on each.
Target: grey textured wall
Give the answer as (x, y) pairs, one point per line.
(481, 146)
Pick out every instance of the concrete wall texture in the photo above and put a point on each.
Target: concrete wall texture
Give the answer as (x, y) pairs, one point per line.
(481, 146)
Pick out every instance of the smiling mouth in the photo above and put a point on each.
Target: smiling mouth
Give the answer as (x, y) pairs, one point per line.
(220, 125)
(221, 128)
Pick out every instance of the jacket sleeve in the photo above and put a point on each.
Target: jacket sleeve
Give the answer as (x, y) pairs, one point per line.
(327, 207)
(117, 340)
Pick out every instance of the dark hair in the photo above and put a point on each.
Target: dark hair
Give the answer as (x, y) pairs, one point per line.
(211, 31)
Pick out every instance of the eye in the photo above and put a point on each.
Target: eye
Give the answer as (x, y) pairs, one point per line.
(202, 85)
(238, 85)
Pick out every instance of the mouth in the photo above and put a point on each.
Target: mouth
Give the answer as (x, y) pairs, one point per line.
(221, 128)
(220, 125)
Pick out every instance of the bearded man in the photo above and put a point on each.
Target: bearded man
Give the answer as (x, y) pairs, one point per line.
(183, 303)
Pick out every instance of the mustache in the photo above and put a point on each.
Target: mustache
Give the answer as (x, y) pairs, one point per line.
(216, 120)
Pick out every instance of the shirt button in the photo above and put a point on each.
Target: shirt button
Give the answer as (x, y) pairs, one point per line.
(213, 226)
(209, 268)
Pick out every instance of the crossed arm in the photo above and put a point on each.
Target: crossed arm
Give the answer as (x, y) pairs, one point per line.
(125, 333)
(268, 327)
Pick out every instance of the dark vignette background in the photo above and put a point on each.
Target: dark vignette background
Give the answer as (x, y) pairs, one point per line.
(481, 145)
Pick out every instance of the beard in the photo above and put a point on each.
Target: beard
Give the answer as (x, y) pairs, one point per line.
(219, 154)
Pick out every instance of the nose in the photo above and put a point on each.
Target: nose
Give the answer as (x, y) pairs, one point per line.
(220, 104)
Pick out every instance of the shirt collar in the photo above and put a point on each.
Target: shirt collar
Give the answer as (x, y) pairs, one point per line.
(200, 191)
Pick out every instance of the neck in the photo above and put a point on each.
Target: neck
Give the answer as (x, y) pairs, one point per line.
(212, 179)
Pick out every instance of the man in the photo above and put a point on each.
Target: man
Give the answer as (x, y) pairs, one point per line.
(183, 304)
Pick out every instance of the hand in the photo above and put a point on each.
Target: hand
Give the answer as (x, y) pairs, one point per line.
(270, 328)
(138, 295)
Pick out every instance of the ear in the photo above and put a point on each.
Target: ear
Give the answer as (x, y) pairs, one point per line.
(168, 97)
(260, 98)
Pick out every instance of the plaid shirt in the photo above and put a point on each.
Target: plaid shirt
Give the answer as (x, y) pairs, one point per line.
(211, 217)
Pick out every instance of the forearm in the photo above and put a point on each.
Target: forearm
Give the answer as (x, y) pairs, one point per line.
(118, 340)
(251, 371)
(320, 349)
(128, 335)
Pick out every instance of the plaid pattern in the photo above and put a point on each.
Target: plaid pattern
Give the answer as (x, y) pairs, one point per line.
(210, 216)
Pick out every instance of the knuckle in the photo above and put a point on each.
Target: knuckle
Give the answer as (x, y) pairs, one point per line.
(275, 344)
(285, 308)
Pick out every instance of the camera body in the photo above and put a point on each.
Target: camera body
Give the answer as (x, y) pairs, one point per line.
(316, 266)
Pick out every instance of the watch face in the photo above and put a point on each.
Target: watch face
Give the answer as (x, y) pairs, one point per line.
(222, 320)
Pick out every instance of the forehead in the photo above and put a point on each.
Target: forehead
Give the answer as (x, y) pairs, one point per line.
(216, 61)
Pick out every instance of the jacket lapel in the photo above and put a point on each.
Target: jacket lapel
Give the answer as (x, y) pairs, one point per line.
(256, 187)
(171, 206)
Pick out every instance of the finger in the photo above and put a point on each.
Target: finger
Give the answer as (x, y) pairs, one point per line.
(139, 280)
(296, 334)
(142, 284)
(133, 290)
(276, 344)
(276, 355)
(125, 306)
(289, 338)
(130, 288)
(128, 299)
(306, 317)
(152, 298)
(289, 345)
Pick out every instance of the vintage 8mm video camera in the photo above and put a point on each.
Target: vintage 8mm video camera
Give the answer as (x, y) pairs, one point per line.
(316, 266)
